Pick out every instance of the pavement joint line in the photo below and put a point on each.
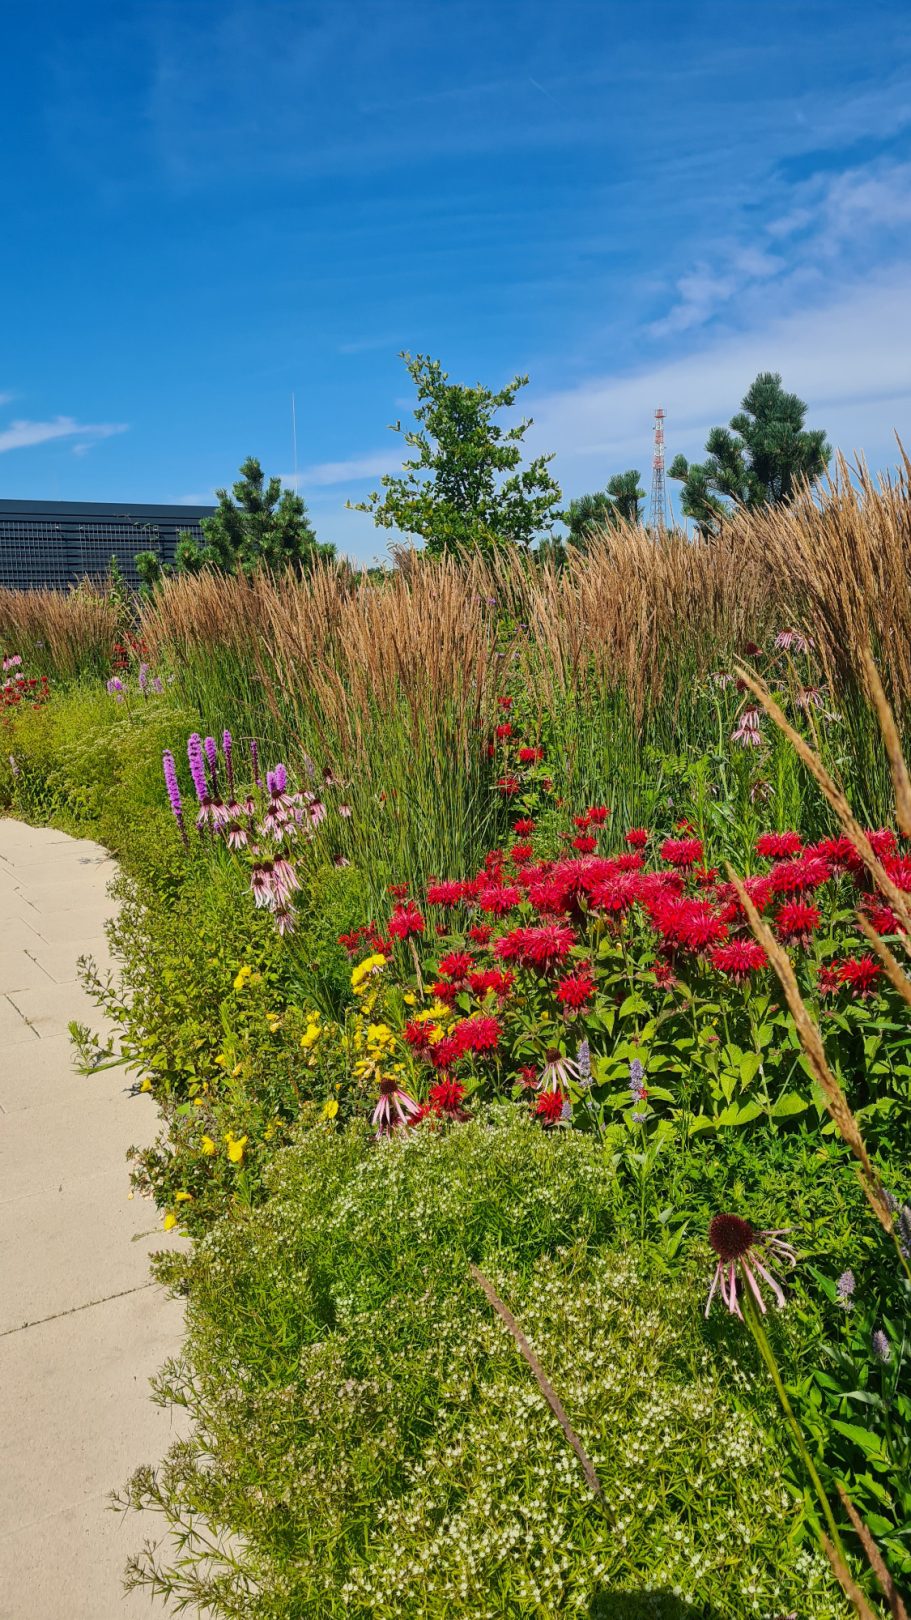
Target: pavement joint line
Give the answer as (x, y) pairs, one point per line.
(88, 1305)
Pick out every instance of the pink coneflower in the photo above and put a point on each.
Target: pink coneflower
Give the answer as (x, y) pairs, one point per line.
(236, 836)
(284, 879)
(285, 919)
(742, 1253)
(747, 732)
(261, 883)
(793, 641)
(557, 1072)
(395, 1107)
(316, 810)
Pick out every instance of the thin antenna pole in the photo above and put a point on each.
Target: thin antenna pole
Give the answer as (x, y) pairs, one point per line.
(294, 441)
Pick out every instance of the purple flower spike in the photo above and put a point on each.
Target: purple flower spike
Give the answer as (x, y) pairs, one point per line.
(280, 778)
(227, 747)
(144, 679)
(170, 780)
(254, 760)
(211, 748)
(197, 766)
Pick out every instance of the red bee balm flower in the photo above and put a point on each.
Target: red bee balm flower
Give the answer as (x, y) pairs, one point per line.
(739, 959)
(508, 785)
(859, 974)
(797, 920)
(549, 1107)
(486, 979)
(585, 844)
(540, 947)
(447, 893)
(455, 965)
(504, 730)
(479, 1034)
(637, 837)
(446, 1098)
(791, 877)
(523, 827)
(681, 851)
(598, 814)
(576, 989)
(775, 845)
(530, 756)
(405, 920)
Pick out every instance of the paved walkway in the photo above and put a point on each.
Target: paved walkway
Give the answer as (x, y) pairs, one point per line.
(81, 1327)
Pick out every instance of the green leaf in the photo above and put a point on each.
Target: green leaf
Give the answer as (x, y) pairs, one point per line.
(790, 1103)
(634, 1003)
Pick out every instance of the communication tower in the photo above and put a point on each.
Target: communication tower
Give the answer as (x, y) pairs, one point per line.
(658, 514)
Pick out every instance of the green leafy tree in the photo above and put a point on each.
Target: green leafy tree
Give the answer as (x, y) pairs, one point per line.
(758, 461)
(465, 487)
(260, 525)
(620, 501)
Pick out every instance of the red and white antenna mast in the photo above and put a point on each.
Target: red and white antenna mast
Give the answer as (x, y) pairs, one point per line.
(657, 510)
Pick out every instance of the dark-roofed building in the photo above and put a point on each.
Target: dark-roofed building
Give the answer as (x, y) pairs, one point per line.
(56, 543)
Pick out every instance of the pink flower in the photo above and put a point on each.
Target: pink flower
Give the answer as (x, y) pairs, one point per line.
(395, 1107)
(744, 1251)
(747, 732)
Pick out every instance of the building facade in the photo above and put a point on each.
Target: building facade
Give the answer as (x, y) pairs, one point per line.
(56, 543)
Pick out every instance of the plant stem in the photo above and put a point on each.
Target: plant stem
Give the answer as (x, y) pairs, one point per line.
(758, 1331)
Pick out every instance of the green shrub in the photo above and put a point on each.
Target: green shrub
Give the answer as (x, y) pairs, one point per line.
(366, 1439)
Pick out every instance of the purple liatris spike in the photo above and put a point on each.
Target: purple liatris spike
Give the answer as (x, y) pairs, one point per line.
(227, 746)
(144, 679)
(882, 1349)
(170, 780)
(211, 749)
(197, 766)
(254, 760)
(280, 778)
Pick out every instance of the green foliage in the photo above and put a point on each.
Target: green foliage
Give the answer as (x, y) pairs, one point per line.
(465, 489)
(366, 1439)
(620, 501)
(262, 526)
(759, 461)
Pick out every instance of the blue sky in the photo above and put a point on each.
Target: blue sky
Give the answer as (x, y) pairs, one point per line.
(209, 206)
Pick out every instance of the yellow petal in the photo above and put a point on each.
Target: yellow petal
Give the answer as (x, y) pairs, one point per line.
(182, 1198)
(330, 1108)
(146, 1084)
(207, 1145)
(170, 1220)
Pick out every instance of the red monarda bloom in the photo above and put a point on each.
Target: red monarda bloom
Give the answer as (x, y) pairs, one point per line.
(882, 917)
(479, 933)
(505, 702)
(418, 1035)
(446, 1098)
(444, 991)
(637, 837)
(540, 947)
(797, 921)
(497, 899)
(504, 730)
(549, 1107)
(582, 822)
(455, 965)
(508, 786)
(483, 980)
(777, 845)
(792, 877)
(405, 920)
(520, 853)
(397, 890)
(585, 843)
(681, 851)
(598, 814)
(479, 1034)
(447, 893)
(530, 756)
(576, 990)
(739, 959)
(523, 827)
(691, 923)
(859, 974)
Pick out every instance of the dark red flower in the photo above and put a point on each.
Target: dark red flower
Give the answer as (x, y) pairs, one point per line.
(479, 933)
(508, 786)
(882, 917)
(520, 853)
(497, 979)
(499, 900)
(528, 1074)
(406, 920)
(598, 814)
(859, 974)
(505, 702)
(446, 1098)
(541, 947)
(504, 730)
(576, 990)
(776, 845)
(681, 851)
(397, 890)
(792, 877)
(582, 822)
(739, 958)
(828, 981)
(637, 837)
(523, 827)
(418, 1035)
(530, 756)
(478, 1034)
(447, 893)
(455, 965)
(549, 1107)
(585, 843)
(797, 920)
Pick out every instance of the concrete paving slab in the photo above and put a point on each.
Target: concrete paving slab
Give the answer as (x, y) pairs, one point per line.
(81, 1326)
(50, 1009)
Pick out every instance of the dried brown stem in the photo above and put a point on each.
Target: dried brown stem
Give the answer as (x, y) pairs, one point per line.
(546, 1387)
(874, 1558)
(846, 1581)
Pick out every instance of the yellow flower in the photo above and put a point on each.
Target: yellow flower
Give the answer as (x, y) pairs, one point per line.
(311, 1035)
(182, 1198)
(362, 970)
(146, 1084)
(198, 1102)
(208, 1146)
(243, 976)
(409, 998)
(221, 1060)
(330, 1108)
(236, 1145)
(170, 1221)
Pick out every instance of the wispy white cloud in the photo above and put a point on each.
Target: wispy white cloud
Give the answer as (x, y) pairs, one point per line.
(22, 434)
(849, 358)
(371, 465)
